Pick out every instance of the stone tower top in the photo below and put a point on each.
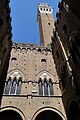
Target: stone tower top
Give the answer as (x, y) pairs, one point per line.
(46, 23)
(44, 8)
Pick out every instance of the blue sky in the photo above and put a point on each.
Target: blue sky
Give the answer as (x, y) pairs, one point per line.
(24, 19)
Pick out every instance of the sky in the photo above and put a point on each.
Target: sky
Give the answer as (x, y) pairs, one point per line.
(25, 27)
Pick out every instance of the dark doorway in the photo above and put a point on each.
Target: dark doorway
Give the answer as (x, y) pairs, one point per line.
(48, 115)
(10, 115)
(74, 112)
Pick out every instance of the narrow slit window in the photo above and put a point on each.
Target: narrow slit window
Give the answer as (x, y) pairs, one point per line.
(40, 87)
(65, 29)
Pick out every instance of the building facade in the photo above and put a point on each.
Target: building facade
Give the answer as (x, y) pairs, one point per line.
(5, 41)
(66, 53)
(32, 89)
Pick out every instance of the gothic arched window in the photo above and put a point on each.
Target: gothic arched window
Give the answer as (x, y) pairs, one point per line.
(13, 88)
(40, 87)
(45, 85)
(8, 83)
(18, 91)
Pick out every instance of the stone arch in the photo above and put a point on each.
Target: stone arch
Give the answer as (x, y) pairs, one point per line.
(24, 49)
(14, 73)
(14, 58)
(50, 111)
(45, 72)
(44, 49)
(19, 49)
(12, 111)
(34, 49)
(28, 48)
(73, 110)
(45, 83)
(14, 82)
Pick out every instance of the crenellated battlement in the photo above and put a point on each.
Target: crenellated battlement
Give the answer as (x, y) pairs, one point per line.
(44, 8)
(25, 47)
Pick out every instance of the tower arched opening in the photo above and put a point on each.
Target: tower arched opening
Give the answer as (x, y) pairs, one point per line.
(10, 115)
(48, 115)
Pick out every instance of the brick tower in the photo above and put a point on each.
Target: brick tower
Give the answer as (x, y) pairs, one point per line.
(46, 23)
(32, 90)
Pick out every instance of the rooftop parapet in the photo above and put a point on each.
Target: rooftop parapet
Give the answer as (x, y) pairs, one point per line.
(44, 8)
